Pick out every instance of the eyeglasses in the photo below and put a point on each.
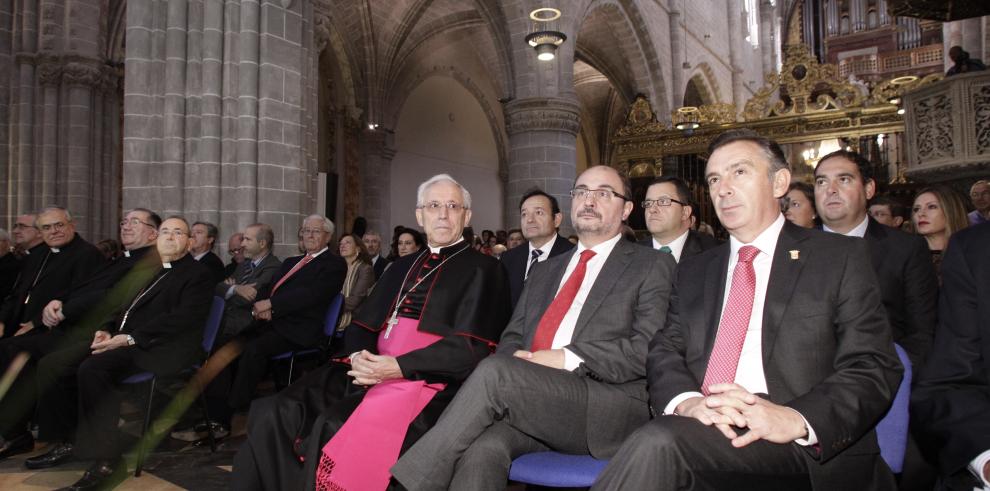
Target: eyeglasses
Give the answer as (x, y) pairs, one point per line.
(597, 194)
(172, 233)
(663, 201)
(311, 231)
(57, 226)
(21, 226)
(435, 206)
(134, 222)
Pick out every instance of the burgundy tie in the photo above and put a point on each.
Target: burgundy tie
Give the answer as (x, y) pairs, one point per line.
(735, 321)
(551, 319)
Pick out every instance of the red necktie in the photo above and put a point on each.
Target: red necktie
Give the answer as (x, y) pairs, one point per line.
(302, 262)
(551, 319)
(735, 321)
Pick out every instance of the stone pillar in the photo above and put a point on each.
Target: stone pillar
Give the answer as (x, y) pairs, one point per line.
(6, 60)
(378, 149)
(766, 36)
(542, 151)
(676, 58)
(737, 20)
(214, 112)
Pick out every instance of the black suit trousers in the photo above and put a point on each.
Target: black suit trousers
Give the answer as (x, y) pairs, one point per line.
(100, 394)
(675, 452)
(255, 360)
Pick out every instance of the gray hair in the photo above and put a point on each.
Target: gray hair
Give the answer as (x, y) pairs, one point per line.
(50, 208)
(328, 226)
(421, 192)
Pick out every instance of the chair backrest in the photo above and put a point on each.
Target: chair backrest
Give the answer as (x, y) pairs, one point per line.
(892, 430)
(333, 313)
(213, 324)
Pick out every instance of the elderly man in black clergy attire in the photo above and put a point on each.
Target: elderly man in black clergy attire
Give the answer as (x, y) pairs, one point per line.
(65, 266)
(776, 360)
(71, 320)
(570, 371)
(950, 403)
(450, 298)
(160, 330)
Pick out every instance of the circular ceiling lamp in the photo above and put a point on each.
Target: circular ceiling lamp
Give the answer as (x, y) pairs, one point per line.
(545, 38)
(687, 119)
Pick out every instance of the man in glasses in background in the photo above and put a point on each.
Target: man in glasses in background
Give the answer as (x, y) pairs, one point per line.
(668, 211)
(570, 371)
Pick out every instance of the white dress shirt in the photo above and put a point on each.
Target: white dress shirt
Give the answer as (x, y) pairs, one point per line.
(546, 248)
(676, 246)
(976, 467)
(749, 371)
(566, 329)
(857, 231)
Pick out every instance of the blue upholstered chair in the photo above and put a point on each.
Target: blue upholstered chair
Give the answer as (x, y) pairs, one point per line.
(209, 337)
(329, 327)
(892, 431)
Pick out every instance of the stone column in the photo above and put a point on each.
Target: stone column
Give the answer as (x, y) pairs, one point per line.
(542, 151)
(737, 20)
(378, 149)
(6, 60)
(766, 36)
(676, 58)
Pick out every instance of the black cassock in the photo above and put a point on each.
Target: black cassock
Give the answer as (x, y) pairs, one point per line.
(465, 300)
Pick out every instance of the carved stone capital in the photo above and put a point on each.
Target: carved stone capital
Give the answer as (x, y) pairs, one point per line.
(321, 31)
(82, 74)
(542, 114)
(49, 71)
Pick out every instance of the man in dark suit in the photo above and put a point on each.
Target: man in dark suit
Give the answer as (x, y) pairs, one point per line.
(201, 243)
(951, 399)
(569, 373)
(843, 186)
(373, 242)
(255, 273)
(160, 331)
(668, 212)
(236, 251)
(776, 360)
(9, 265)
(539, 217)
(295, 308)
(67, 263)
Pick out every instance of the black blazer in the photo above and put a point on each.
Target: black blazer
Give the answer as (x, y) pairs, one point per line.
(695, 244)
(10, 266)
(215, 265)
(515, 260)
(951, 399)
(908, 284)
(167, 320)
(92, 292)
(299, 306)
(826, 346)
(380, 266)
(63, 272)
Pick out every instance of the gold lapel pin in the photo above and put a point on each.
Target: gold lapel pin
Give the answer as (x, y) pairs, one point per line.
(795, 255)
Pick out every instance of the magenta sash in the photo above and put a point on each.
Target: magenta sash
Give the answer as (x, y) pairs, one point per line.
(359, 455)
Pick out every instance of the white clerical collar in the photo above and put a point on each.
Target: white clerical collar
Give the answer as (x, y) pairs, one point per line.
(546, 248)
(200, 256)
(766, 242)
(56, 250)
(436, 250)
(601, 250)
(166, 264)
(857, 231)
(127, 253)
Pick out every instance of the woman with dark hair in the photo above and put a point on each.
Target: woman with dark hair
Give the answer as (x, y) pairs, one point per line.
(360, 276)
(938, 212)
(798, 205)
(408, 241)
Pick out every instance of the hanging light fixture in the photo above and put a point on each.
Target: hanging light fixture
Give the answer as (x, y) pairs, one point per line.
(687, 119)
(545, 37)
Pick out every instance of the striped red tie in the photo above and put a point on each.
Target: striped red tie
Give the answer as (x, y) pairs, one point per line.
(302, 262)
(735, 321)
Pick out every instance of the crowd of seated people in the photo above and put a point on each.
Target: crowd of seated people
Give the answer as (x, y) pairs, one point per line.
(764, 361)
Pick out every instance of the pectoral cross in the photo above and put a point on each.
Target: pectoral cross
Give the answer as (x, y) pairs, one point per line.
(392, 321)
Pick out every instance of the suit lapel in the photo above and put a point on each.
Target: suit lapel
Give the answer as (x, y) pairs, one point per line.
(715, 275)
(784, 273)
(550, 285)
(613, 269)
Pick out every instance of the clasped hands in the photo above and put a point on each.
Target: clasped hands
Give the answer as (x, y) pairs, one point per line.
(370, 369)
(731, 405)
(262, 310)
(103, 341)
